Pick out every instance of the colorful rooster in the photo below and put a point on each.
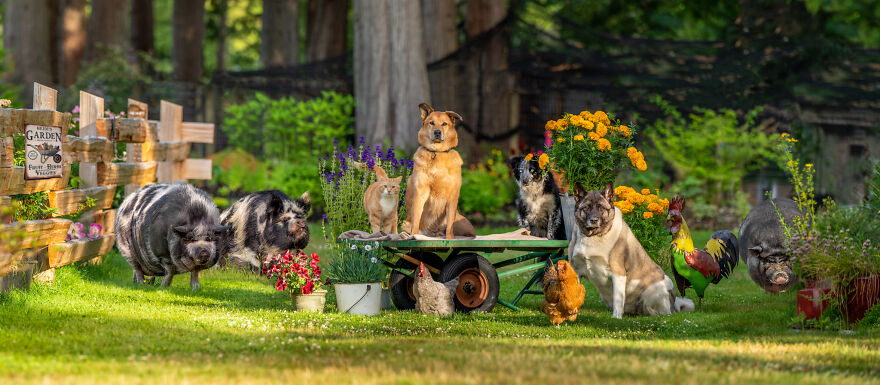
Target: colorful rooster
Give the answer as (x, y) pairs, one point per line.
(695, 267)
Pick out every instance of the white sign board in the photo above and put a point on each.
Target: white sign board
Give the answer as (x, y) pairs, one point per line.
(42, 152)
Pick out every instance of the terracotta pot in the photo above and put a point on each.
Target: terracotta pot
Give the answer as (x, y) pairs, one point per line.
(818, 284)
(862, 294)
(309, 302)
(559, 178)
(812, 302)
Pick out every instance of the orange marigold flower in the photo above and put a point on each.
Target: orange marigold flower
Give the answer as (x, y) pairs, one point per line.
(604, 144)
(561, 124)
(551, 125)
(646, 191)
(624, 130)
(560, 140)
(624, 206)
(602, 117)
(578, 137)
(577, 120)
(593, 135)
(529, 157)
(601, 129)
(641, 165)
(648, 214)
(653, 207)
(631, 150)
(665, 204)
(543, 160)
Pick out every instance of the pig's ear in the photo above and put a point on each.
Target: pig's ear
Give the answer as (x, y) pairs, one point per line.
(221, 230)
(756, 251)
(275, 206)
(305, 201)
(181, 231)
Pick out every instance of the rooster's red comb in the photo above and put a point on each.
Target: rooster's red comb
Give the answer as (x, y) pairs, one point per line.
(676, 203)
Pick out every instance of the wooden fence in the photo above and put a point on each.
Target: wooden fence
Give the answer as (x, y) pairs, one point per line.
(155, 151)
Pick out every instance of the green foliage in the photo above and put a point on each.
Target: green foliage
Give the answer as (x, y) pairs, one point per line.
(801, 178)
(289, 129)
(32, 207)
(710, 153)
(486, 187)
(235, 170)
(113, 78)
(356, 264)
(872, 187)
(872, 317)
(296, 178)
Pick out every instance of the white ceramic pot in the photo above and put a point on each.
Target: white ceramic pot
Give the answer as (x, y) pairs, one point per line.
(358, 298)
(567, 202)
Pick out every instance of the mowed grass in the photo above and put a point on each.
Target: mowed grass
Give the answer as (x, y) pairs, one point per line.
(94, 326)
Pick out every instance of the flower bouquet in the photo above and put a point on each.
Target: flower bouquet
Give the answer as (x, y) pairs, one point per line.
(589, 149)
(645, 213)
(299, 275)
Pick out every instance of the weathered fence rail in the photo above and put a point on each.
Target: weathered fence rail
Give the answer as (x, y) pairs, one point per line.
(155, 151)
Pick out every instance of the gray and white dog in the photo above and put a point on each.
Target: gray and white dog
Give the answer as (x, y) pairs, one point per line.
(265, 223)
(538, 206)
(168, 229)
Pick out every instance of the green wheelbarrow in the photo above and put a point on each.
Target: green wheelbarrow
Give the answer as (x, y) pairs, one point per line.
(479, 279)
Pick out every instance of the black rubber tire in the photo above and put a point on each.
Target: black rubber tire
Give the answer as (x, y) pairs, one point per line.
(401, 284)
(458, 264)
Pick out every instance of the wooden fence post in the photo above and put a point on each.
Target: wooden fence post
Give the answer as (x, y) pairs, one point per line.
(139, 152)
(91, 109)
(45, 98)
(170, 122)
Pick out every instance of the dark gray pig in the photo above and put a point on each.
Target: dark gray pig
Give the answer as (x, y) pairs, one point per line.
(168, 229)
(762, 244)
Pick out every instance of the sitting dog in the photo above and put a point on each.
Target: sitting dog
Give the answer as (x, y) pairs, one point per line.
(265, 223)
(433, 189)
(605, 251)
(538, 207)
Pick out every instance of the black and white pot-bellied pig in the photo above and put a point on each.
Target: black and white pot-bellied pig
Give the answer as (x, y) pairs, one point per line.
(265, 223)
(168, 229)
(762, 244)
(538, 207)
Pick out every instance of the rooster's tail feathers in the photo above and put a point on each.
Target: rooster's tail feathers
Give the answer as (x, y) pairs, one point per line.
(724, 248)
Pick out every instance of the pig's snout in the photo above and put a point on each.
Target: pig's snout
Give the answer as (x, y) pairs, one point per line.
(203, 255)
(780, 278)
(296, 225)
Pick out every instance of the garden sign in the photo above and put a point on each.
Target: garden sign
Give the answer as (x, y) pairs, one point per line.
(42, 152)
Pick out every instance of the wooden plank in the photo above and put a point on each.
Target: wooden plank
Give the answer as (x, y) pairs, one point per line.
(13, 121)
(19, 261)
(45, 98)
(70, 201)
(37, 233)
(5, 201)
(12, 182)
(133, 131)
(91, 109)
(105, 218)
(195, 132)
(171, 118)
(7, 152)
(126, 173)
(90, 149)
(195, 169)
(80, 250)
(171, 151)
(137, 109)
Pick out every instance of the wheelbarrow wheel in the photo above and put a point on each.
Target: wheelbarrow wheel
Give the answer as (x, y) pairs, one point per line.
(478, 284)
(402, 285)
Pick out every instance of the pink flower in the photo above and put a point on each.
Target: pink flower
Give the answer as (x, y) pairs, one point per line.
(76, 231)
(548, 140)
(94, 231)
(75, 109)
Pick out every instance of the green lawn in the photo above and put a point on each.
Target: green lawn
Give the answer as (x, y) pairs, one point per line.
(94, 326)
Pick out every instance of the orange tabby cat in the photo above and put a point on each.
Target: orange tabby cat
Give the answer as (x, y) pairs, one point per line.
(380, 201)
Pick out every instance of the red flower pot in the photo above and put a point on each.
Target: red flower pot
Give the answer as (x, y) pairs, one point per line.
(862, 294)
(812, 302)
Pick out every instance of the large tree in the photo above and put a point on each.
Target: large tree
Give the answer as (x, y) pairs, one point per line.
(391, 76)
(28, 40)
(487, 76)
(143, 41)
(327, 29)
(107, 31)
(441, 40)
(188, 22)
(72, 22)
(279, 38)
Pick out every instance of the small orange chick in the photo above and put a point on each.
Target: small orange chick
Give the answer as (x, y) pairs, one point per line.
(563, 292)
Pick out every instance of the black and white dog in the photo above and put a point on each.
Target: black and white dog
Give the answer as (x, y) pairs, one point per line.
(538, 207)
(263, 224)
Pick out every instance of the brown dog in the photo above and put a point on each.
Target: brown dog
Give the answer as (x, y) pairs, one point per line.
(433, 188)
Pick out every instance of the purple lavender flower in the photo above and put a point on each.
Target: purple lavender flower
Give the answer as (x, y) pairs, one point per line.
(362, 141)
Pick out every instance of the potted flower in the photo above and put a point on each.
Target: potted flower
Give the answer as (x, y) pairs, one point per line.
(645, 213)
(299, 275)
(357, 275)
(588, 149)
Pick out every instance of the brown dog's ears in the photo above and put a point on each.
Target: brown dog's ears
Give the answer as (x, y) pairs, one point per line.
(425, 110)
(608, 192)
(454, 115)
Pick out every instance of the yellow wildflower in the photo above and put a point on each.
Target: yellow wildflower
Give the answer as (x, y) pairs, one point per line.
(529, 157)
(543, 160)
(809, 165)
(578, 137)
(593, 135)
(792, 164)
(490, 162)
(604, 144)
(648, 214)
(560, 140)
(646, 191)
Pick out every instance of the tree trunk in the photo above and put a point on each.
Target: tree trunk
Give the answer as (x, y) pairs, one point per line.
(142, 39)
(327, 29)
(188, 22)
(73, 40)
(492, 87)
(390, 71)
(441, 39)
(106, 29)
(29, 49)
(279, 37)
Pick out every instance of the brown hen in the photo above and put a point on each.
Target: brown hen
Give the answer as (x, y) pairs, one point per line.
(563, 292)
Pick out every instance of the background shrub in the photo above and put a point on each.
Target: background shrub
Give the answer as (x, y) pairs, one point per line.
(486, 188)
